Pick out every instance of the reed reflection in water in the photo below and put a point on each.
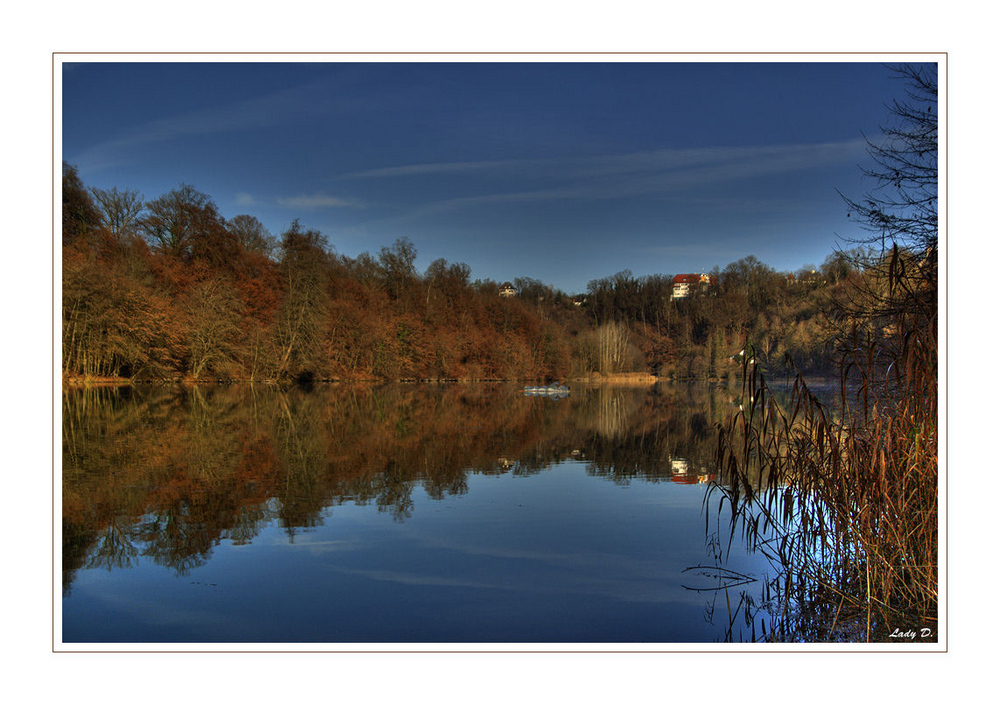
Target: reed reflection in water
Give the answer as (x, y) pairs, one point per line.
(386, 513)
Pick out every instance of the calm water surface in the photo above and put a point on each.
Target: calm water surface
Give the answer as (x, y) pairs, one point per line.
(397, 513)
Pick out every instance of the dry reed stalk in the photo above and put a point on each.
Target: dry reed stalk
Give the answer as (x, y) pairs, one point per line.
(847, 507)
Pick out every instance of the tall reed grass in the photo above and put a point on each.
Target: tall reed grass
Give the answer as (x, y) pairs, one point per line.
(843, 501)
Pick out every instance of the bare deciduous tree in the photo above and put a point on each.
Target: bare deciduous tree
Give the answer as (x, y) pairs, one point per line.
(900, 211)
(252, 235)
(119, 211)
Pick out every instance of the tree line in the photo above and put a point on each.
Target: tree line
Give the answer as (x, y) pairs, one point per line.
(169, 289)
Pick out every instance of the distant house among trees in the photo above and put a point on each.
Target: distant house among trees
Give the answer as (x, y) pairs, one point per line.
(685, 285)
(507, 290)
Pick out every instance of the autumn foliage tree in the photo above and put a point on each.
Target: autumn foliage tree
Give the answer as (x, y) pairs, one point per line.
(305, 273)
(168, 288)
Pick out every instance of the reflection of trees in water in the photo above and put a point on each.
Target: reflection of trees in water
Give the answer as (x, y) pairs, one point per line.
(212, 452)
(166, 474)
(114, 548)
(168, 464)
(175, 539)
(667, 433)
(611, 410)
(108, 468)
(247, 522)
(394, 492)
(441, 487)
(300, 446)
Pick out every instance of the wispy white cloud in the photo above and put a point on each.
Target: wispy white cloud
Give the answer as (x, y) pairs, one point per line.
(319, 547)
(655, 172)
(244, 199)
(608, 576)
(267, 110)
(650, 161)
(319, 200)
(445, 168)
(624, 587)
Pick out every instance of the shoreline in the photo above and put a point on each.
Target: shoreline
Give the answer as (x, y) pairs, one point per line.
(625, 379)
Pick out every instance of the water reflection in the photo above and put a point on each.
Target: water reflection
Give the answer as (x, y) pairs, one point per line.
(165, 475)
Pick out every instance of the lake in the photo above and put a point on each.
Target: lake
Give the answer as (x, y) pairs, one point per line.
(397, 514)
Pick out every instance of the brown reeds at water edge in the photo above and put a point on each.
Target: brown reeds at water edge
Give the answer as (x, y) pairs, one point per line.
(845, 501)
(845, 504)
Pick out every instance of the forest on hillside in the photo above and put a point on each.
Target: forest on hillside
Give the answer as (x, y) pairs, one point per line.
(169, 290)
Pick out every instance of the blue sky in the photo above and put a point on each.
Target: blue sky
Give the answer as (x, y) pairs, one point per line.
(559, 171)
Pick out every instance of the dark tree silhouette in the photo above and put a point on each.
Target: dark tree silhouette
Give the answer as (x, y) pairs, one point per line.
(79, 214)
(900, 212)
